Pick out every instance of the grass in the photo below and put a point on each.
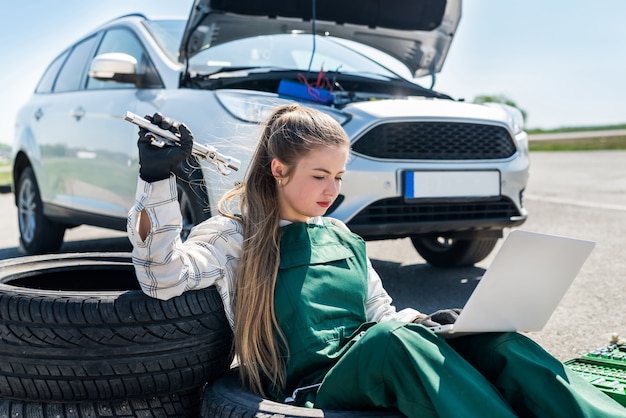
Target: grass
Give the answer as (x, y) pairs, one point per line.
(576, 129)
(580, 144)
(5, 174)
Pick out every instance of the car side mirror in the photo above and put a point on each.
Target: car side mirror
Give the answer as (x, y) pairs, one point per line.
(115, 66)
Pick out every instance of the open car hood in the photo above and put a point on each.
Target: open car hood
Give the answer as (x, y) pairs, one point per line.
(416, 32)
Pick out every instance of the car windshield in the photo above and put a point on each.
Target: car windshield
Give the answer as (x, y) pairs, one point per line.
(290, 52)
(282, 51)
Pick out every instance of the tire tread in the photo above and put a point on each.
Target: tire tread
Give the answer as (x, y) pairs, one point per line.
(65, 346)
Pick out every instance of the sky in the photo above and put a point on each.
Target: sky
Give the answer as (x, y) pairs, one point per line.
(561, 61)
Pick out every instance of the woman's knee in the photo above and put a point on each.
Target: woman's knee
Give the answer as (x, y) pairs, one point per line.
(384, 330)
(402, 342)
(489, 342)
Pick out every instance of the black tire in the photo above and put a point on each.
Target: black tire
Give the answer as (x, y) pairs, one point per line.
(175, 405)
(76, 328)
(192, 196)
(441, 251)
(38, 234)
(225, 398)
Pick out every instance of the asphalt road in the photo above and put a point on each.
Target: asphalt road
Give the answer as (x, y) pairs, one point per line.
(576, 194)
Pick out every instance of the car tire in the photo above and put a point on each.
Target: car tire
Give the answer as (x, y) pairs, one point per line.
(38, 234)
(226, 398)
(174, 405)
(441, 251)
(77, 328)
(192, 196)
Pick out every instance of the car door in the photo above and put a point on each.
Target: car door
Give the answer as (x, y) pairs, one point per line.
(53, 124)
(105, 173)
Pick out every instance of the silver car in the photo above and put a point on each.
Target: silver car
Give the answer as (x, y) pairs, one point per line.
(447, 174)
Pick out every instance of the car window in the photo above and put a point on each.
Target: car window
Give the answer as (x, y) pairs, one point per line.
(47, 79)
(168, 34)
(124, 41)
(73, 70)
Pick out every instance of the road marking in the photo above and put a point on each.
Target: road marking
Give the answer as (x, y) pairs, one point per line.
(580, 203)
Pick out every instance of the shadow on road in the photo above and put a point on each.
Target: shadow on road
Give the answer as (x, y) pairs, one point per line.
(120, 244)
(427, 288)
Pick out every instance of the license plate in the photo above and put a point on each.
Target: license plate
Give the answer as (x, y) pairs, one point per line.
(451, 184)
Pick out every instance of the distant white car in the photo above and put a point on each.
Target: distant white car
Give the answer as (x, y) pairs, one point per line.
(448, 174)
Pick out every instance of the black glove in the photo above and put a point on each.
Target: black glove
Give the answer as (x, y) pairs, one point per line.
(157, 163)
(440, 317)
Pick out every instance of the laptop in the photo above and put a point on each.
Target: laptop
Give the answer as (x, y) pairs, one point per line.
(524, 284)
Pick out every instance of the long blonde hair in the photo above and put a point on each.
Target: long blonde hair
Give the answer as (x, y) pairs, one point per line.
(290, 132)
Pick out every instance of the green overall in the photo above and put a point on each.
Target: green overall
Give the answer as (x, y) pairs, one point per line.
(320, 297)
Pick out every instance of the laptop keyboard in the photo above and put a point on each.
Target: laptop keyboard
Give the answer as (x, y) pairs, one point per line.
(605, 368)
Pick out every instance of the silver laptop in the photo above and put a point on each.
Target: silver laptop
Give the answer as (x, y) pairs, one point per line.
(523, 285)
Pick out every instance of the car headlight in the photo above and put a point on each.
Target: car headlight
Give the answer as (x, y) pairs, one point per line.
(516, 119)
(514, 116)
(255, 107)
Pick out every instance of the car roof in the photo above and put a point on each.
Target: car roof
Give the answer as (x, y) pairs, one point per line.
(416, 32)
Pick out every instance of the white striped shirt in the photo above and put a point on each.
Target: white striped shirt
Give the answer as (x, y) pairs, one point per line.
(167, 267)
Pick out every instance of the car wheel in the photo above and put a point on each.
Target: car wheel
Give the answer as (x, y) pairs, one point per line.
(226, 398)
(192, 197)
(175, 405)
(38, 234)
(441, 251)
(76, 328)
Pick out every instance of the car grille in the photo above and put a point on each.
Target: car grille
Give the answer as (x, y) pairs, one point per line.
(397, 210)
(436, 141)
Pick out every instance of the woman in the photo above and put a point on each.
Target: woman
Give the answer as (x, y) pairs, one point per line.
(311, 319)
